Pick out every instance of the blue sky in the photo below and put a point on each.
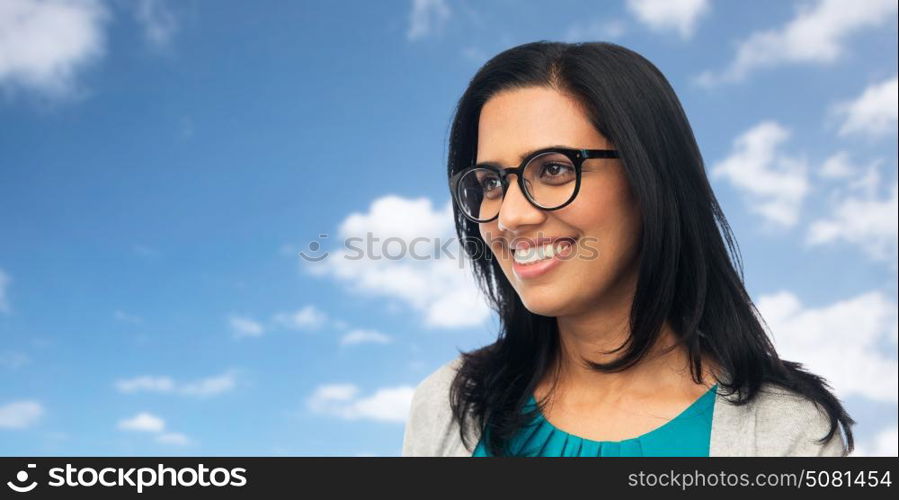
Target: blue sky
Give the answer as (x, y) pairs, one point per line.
(165, 161)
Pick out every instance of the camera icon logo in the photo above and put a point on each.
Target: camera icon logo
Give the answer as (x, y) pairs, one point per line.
(314, 248)
(22, 477)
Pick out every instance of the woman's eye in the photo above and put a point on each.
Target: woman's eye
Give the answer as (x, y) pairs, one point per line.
(557, 171)
(491, 186)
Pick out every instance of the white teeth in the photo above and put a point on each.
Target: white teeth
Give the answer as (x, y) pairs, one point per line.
(534, 254)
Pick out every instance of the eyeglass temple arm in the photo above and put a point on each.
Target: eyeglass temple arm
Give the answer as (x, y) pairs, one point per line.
(600, 153)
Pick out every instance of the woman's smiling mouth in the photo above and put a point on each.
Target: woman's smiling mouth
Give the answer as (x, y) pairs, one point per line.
(531, 259)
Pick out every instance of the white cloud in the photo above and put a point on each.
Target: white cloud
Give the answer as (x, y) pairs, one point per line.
(681, 16)
(173, 438)
(427, 17)
(841, 342)
(867, 220)
(306, 318)
(884, 444)
(45, 43)
(597, 29)
(389, 404)
(5, 280)
(404, 236)
(334, 392)
(245, 327)
(157, 20)
(209, 386)
(397, 217)
(143, 422)
(145, 383)
(774, 184)
(874, 113)
(816, 35)
(20, 414)
(360, 336)
(152, 424)
(854, 177)
(837, 166)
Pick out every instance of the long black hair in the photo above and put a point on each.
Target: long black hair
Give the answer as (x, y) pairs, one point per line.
(689, 260)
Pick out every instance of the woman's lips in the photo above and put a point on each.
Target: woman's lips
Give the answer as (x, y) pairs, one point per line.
(544, 266)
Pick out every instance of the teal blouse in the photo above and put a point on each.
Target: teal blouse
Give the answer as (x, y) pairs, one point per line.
(686, 435)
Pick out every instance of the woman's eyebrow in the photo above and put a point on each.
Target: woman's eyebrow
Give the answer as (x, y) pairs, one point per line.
(523, 155)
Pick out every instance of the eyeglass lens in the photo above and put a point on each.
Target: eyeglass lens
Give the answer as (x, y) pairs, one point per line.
(549, 180)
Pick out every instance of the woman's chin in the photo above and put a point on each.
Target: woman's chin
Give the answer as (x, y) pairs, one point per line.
(544, 303)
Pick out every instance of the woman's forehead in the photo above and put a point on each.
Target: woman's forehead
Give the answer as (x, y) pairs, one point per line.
(516, 122)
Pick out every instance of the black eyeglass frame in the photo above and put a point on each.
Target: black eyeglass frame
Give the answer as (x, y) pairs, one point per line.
(577, 157)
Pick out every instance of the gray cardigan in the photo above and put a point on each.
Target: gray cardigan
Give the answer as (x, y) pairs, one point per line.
(776, 423)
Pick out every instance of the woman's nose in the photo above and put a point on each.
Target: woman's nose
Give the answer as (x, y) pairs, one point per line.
(517, 211)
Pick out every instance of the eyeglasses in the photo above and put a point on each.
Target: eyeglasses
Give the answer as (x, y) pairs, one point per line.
(549, 178)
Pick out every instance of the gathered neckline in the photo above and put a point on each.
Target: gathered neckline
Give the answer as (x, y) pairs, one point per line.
(532, 402)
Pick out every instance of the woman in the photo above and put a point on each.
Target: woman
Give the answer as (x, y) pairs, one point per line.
(581, 196)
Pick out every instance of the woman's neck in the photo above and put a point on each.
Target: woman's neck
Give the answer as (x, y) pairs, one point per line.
(594, 332)
(663, 360)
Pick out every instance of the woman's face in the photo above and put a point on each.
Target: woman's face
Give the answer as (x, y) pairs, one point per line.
(603, 220)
